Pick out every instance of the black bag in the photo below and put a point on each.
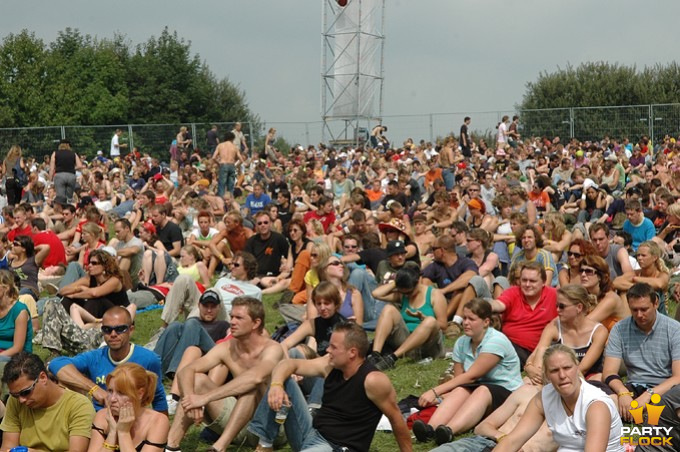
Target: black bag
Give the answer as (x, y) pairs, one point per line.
(284, 331)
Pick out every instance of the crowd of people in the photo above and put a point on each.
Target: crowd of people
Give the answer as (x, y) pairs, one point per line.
(548, 265)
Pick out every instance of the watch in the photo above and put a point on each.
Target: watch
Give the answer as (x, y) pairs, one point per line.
(650, 391)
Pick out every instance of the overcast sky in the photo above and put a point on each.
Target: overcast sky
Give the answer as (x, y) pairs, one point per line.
(440, 55)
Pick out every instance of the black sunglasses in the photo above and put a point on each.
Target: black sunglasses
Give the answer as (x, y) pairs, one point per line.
(25, 392)
(260, 223)
(95, 262)
(119, 329)
(335, 264)
(235, 264)
(588, 271)
(573, 254)
(562, 306)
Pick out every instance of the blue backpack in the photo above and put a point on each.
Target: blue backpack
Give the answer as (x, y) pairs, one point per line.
(19, 174)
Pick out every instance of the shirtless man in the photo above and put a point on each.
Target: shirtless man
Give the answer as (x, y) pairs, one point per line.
(501, 422)
(249, 357)
(226, 155)
(423, 237)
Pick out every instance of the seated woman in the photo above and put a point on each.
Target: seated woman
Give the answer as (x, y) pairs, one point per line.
(652, 271)
(157, 264)
(191, 263)
(89, 297)
(336, 272)
(126, 424)
(411, 323)
(295, 311)
(571, 407)
(16, 330)
(91, 237)
(557, 237)
(610, 307)
(25, 261)
(486, 371)
(569, 272)
(571, 328)
(478, 244)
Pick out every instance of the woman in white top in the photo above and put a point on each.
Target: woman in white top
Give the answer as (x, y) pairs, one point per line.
(579, 415)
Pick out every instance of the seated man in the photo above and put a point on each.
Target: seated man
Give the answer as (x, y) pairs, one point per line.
(648, 343)
(249, 358)
(415, 327)
(526, 309)
(452, 274)
(355, 397)
(42, 415)
(501, 422)
(87, 371)
(529, 248)
(396, 259)
(202, 331)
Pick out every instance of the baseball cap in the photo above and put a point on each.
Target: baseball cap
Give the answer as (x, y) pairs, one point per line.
(395, 247)
(210, 296)
(149, 226)
(85, 201)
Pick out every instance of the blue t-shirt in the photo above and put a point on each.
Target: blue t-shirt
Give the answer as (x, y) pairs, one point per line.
(255, 205)
(506, 373)
(7, 326)
(97, 364)
(641, 233)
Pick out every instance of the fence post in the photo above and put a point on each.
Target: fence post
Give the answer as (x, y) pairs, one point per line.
(131, 140)
(193, 133)
(431, 129)
(63, 132)
(571, 123)
(650, 112)
(250, 136)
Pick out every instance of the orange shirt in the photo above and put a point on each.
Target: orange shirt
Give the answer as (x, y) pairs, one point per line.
(432, 176)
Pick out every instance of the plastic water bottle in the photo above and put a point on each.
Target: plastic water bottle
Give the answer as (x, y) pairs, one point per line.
(425, 361)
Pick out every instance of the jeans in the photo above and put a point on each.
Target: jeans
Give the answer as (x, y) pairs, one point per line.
(65, 184)
(176, 338)
(121, 209)
(301, 435)
(365, 284)
(449, 178)
(226, 178)
(312, 387)
(476, 443)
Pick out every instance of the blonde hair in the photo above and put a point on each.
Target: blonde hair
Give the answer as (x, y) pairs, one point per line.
(577, 294)
(656, 251)
(558, 348)
(557, 223)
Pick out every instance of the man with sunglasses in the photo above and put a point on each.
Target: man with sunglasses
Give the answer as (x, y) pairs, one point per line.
(269, 247)
(86, 372)
(42, 415)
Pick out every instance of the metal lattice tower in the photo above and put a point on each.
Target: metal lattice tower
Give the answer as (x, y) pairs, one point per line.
(351, 69)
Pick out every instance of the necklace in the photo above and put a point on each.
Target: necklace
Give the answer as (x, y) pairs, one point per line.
(568, 410)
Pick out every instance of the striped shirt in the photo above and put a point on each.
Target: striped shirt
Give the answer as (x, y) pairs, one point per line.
(648, 357)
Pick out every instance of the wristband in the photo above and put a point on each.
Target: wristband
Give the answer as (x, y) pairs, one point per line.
(92, 390)
(625, 393)
(439, 399)
(276, 384)
(108, 446)
(498, 440)
(611, 378)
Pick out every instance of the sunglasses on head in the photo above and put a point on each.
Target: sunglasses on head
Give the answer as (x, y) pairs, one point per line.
(119, 329)
(25, 392)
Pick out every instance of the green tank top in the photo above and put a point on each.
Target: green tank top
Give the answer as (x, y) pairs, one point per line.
(427, 310)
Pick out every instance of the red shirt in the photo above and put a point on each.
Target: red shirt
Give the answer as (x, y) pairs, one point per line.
(57, 254)
(326, 220)
(523, 325)
(11, 235)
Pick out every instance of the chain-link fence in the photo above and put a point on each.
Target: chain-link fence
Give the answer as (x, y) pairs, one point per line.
(583, 123)
(155, 139)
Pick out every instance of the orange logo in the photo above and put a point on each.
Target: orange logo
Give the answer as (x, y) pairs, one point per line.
(269, 251)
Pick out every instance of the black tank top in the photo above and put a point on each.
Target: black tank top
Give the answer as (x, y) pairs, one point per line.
(64, 161)
(347, 416)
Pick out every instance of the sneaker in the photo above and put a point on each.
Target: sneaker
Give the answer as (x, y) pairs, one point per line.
(443, 434)
(151, 345)
(172, 404)
(424, 432)
(374, 357)
(453, 330)
(37, 339)
(286, 297)
(385, 362)
(52, 289)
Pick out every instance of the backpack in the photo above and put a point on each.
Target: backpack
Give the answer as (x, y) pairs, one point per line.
(284, 331)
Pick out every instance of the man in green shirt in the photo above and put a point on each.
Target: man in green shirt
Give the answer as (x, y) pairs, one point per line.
(42, 415)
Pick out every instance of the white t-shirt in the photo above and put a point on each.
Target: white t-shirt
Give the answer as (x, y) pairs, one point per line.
(502, 133)
(570, 431)
(115, 150)
(231, 288)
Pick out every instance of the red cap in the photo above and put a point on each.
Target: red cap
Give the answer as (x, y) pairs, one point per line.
(157, 176)
(149, 227)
